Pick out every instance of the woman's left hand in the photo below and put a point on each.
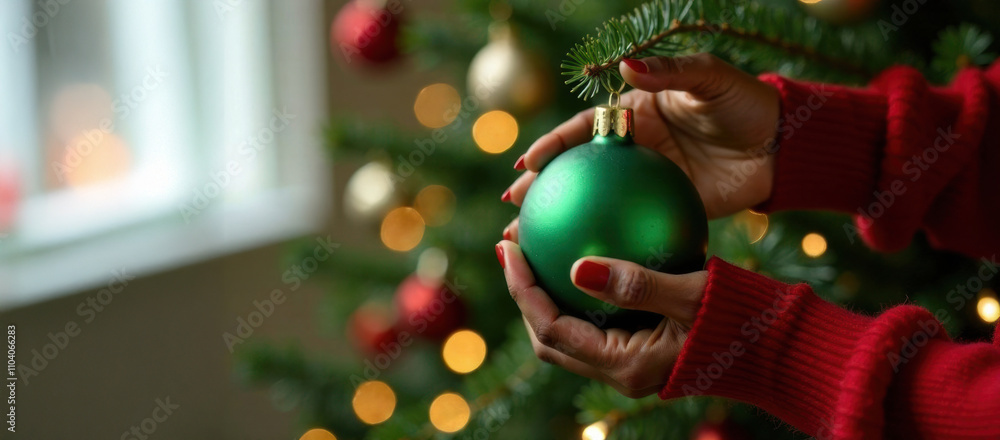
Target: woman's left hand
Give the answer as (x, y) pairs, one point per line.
(636, 364)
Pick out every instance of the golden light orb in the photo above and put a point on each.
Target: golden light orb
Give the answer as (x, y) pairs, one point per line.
(436, 204)
(374, 402)
(402, 229)
(989, 309)
(318, 434)
(464, 351)
(813, 244)
(437, 105)
(495, 131)
(449, 412)
(595, 431)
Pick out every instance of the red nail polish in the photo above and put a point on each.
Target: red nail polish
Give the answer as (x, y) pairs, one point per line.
(519, 165)
(506, 196)
(503, 265)
(591, 275)
(636, 65)
(506, 233)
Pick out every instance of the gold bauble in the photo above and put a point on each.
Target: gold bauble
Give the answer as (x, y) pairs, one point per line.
(507, 76)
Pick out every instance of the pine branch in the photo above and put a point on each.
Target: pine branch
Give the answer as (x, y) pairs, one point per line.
(666, 27)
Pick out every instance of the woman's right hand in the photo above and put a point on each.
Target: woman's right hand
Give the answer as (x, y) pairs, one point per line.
(713, 120)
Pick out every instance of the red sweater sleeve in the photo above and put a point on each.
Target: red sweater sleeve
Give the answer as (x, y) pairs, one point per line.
(831, 373)
(902, 157)
(899, 155)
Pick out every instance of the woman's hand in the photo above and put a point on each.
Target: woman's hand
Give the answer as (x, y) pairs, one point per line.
(636, 364)
(710, 118)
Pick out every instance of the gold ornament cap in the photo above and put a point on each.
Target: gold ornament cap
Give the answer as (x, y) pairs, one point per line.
(612, 119)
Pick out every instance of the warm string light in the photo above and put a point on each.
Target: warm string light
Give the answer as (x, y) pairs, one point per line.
(374, 402)
(988, 307)
(595, 431)
(813, 244)
(464, 351)
(318, 434)
(402, 229)
(437, 105)
(495, 131)
(436, 204)
(93, 157)
(449, 412)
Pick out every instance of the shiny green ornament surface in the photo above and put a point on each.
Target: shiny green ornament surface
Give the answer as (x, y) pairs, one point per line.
(610, 198)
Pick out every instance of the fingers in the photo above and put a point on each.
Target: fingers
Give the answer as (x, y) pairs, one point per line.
(631, 286)
(511, 231)
(571, 133)
(552, 356)
(572, 336)
(702, 75)
(517, 190)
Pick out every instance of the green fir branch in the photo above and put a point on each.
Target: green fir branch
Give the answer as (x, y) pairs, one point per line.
(673, 27)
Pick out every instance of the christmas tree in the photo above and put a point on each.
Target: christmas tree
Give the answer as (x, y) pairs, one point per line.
(441, 349)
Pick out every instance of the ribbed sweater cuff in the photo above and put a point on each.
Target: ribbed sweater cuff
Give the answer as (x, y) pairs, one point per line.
(829, 141)
(774, 345)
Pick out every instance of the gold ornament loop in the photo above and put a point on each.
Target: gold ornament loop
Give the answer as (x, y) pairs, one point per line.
(617, 97)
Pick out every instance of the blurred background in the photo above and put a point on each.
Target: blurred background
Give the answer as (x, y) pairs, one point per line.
(249, 219)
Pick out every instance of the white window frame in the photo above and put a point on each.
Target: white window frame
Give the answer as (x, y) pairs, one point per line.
(259, 58)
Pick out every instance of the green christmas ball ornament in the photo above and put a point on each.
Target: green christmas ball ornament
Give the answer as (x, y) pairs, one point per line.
(610, 198)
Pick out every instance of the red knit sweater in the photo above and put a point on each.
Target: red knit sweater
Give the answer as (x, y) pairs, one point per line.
(901, 156)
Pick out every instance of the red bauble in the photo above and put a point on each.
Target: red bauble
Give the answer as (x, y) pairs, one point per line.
(719, 431)
(372, 327)
(428, 309)
(367, 32)
(10, 193)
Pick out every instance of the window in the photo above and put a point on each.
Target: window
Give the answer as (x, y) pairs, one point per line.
(148, 134)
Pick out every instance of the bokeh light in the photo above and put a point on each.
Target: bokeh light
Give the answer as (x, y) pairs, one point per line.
(989, 309)
(436, 204)
(432, 265)
(813, 244)
(495, 131)
(318, 434)
(10, 192)
(92, 157)
(464, 351)
(437, 105)
(402, 229)
(595, 431)
(374, 402)
(77, 108)
(370, 191)
(753, 223)
(449, 412)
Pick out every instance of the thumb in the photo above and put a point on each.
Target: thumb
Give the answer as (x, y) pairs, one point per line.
(631, 286)
(703, 75)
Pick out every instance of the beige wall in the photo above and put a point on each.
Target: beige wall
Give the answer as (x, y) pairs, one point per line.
(162, 335)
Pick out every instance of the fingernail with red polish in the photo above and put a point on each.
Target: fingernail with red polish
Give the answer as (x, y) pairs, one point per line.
(591, 275)
(506, 196)
(506, 233)
(519, 165)
(636, 65)
(500, 256)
